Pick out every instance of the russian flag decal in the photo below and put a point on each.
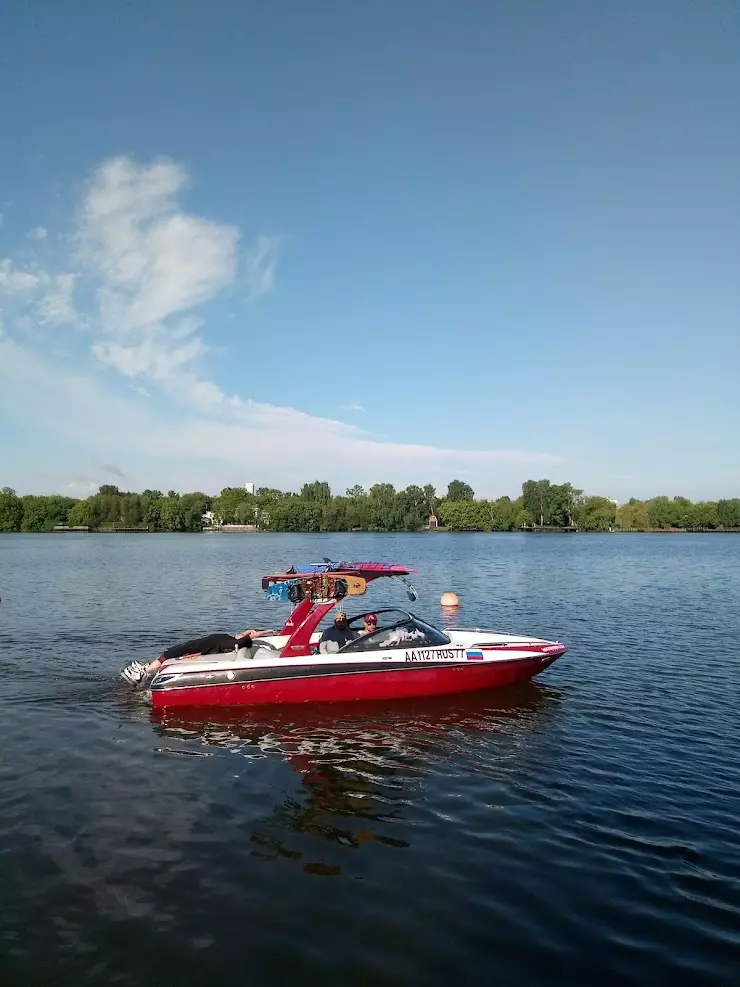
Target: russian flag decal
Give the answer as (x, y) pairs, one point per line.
(474, 655)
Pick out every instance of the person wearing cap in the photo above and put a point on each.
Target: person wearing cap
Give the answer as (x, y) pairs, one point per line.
(336, 636)
(371, 624)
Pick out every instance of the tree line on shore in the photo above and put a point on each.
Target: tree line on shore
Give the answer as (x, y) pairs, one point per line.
(381, 508)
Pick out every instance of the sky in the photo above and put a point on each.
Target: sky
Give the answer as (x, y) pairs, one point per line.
(370, 242)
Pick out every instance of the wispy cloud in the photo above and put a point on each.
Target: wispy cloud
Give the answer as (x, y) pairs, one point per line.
(153, 262)
(46, 298)
(279, 443)
(154, 259)
(261, 266)
(352, 407)
(38, 233)
(140, 268)
(80, 486)
(83, 484)
(15, 282)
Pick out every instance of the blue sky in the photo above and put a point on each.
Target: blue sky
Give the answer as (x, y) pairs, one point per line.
(371, 242)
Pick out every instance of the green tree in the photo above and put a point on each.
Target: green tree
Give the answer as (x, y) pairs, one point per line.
(502, 514)
(358, 513)
(382, 513)
(728, 513)
(463, 515)
(34, 513)
(335, 515)
(457, 490)
(132, 510)
(597, 514)
(382, 508)
(563, 500)
(271, 494)
(660, 512)
(172, 514)
(153, 515)
(234, 504)
(58, 508)
(113, 508)
(634, 515)
(703, 515)
(192, 508)
(681, 512)
(295, 514)
(318, 492)
(536, 500)
(81, 514)
(412, 506)
(11, 510)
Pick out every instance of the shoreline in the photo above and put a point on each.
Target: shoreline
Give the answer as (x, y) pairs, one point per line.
(423, 531)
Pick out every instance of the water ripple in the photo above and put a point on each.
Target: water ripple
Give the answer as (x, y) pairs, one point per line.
(579, 829)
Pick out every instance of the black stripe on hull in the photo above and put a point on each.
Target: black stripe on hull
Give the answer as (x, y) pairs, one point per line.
(190, 680)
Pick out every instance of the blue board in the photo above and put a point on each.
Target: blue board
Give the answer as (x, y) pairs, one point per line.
(279, 591)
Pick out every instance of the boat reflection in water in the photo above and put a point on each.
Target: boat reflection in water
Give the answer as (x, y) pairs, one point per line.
(365, 769)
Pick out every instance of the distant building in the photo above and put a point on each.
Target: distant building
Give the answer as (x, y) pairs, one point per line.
(249, 487)
(433, 522)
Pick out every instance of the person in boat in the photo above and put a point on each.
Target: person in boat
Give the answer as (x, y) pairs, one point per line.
(371, 624)
(336, 636)
(211, 644)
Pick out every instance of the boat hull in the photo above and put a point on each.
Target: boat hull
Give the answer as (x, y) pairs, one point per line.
(387, 683)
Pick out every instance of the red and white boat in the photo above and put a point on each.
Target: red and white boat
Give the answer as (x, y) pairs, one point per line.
(405, 656)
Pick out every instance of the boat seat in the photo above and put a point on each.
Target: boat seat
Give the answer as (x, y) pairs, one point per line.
(263, 651)
(257, 645)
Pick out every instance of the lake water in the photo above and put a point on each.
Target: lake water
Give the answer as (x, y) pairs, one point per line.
(580, 830)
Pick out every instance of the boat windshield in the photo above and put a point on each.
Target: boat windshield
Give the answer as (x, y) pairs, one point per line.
(396, 629)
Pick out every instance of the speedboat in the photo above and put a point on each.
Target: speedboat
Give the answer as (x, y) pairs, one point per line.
(404, 657)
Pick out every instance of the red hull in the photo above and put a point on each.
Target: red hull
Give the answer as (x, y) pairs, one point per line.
(402, 684)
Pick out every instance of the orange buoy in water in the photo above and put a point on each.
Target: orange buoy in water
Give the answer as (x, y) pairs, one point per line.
(450, 600)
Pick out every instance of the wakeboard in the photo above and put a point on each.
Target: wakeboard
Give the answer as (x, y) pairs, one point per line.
(287, 588)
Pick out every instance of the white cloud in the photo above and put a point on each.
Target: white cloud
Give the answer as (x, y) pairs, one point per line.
(46, 298)
(157, 359)
(80, 486)
(144, 264)
(261, 266)
(352, 407)
(38, 233)
(153, 258)
(56, 303)
(152, 263)
(280, 444)
(16, 282)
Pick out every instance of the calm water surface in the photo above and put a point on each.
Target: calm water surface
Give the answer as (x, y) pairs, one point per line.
(582, 829)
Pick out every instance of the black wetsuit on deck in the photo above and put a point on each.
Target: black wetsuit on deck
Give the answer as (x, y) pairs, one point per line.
(211, 644)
